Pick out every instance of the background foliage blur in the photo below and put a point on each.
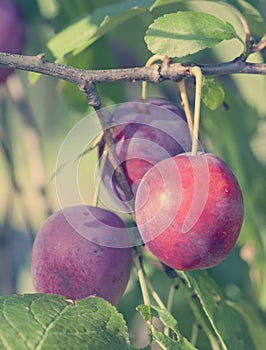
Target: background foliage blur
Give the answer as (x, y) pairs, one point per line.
(236, 132)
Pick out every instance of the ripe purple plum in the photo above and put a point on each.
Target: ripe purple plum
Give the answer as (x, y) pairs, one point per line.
(189, 210)
(12, 32)
(68, 256)
(144, 134)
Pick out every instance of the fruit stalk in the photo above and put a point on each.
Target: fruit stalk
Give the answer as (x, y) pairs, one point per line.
(141, 277)
(184, 98)
(150, 61)
(155, 295)
(196, 71)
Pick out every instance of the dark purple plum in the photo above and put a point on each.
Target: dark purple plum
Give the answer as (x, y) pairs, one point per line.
(144, 134)
(12, 32)
(67, 260)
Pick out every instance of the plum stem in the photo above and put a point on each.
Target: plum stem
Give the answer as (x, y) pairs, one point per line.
(155, 295)
(194, 334)
(260, 46)
(95, 199)
(196, 71)
(183, 93)
(170, 304)
(142, 279)
(150, 61)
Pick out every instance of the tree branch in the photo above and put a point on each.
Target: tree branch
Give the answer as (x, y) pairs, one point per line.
(154, 74)
(94, 100)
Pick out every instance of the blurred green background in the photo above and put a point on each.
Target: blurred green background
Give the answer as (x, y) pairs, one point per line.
(236, 132)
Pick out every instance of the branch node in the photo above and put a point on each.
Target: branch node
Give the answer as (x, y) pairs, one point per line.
(91, 94)
(156, 76)
(41, 57)
(163, 68)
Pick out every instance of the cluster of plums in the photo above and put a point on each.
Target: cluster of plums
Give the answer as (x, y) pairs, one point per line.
(12, 32)
(188, 209)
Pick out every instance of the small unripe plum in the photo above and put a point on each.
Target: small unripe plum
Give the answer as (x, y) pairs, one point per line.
(189, 210)
(12, 32)
(67, 260)
(144, 134)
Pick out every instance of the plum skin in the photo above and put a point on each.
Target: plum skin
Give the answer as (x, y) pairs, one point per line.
(212, 235)
(143, 138)
(12, 32)
(64, 262)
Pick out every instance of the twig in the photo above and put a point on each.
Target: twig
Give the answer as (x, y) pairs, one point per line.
(105, 120)
(154, 74)
(260, 46)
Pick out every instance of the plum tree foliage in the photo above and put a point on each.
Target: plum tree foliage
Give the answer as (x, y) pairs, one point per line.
(157, 238)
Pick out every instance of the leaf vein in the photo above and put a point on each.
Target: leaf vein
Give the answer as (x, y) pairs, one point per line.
(47, 329)
(11, 324)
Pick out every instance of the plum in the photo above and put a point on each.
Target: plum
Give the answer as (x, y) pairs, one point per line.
(144, 134)
(189, 210)
(12, 32)
(67, 260)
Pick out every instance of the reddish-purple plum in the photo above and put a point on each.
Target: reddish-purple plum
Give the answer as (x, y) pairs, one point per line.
(189, 210)
(68, 259)
(12, 32)
(144, 134)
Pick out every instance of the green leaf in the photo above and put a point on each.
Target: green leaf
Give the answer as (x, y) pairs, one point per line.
(167, 319)
(86, 30)
(252, 15)
(185, 32)
(228, 323)
(145, 312)
(212, 93)
(231, 133)
(168, 343)
(253, 320)
(46, 321)
(158, 3)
